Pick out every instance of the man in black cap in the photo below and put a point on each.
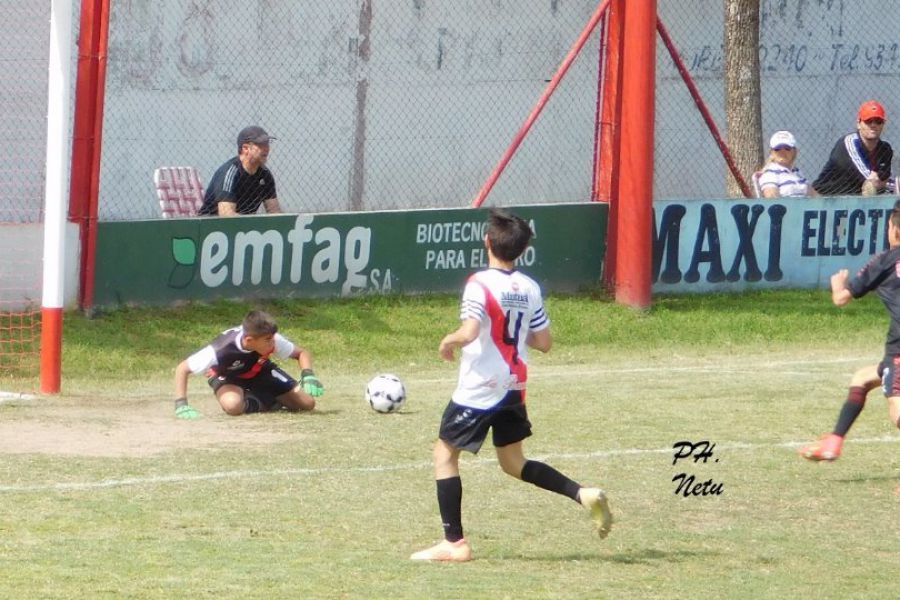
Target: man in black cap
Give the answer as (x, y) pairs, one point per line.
(244, 182)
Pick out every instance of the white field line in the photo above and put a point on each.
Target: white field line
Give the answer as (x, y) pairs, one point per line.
(6, 396)
(75, 486)
(726, 365)
(720, 366)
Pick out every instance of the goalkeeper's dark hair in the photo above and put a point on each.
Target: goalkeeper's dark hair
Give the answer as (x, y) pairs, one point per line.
(259, 323)
(509, 234)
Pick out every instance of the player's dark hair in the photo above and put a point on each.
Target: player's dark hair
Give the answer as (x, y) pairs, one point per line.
(259, 323)
(509, 234)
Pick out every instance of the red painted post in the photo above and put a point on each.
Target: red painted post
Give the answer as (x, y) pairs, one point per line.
(87, 137)
(606, 169)
(634, 228)
(611, 84)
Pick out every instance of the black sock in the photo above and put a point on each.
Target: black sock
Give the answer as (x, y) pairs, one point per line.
(856, 400)
(449, 495)
(545, 476)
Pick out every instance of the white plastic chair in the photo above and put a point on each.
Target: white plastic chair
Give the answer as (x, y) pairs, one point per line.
(179, 190)
(756, 188)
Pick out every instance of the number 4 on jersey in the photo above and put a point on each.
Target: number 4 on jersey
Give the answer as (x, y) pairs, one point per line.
(512, 340)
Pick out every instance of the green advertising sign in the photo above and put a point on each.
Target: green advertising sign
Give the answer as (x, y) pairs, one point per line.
(340, 254)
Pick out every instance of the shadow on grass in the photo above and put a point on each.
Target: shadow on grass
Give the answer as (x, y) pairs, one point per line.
(644, 556)
(650, 555)
(862, 479)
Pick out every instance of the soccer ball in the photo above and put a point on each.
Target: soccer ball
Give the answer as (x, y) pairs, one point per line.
(385, 393)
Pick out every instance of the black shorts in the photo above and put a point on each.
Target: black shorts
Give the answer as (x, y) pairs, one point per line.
(889, 371)
(466, 428)
(266, 386)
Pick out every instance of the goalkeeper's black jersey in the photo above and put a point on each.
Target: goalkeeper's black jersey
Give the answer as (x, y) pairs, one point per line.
(882, 274)
(225, 356)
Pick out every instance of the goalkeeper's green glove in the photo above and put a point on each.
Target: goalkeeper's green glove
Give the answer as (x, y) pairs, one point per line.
(183, 410)
(311, 383)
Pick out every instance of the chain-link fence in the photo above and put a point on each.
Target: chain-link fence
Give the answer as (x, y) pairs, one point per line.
(412, 103)
(375, 105)
(24, 45)
(24, 42)
(818, 62)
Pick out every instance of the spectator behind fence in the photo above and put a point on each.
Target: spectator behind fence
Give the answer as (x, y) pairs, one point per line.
(780, 178)
(243, 182)
(860, 162)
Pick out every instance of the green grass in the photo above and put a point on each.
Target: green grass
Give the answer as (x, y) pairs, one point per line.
(105, 495)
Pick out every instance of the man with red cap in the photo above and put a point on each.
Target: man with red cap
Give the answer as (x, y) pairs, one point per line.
(860, 162)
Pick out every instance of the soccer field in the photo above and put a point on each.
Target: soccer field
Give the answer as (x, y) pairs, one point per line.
(105, 495)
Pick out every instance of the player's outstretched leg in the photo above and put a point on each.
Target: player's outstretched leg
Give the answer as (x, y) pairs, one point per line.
(513, 462)
(829, 447)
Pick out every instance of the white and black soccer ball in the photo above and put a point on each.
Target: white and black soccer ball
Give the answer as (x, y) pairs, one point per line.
(385, 393)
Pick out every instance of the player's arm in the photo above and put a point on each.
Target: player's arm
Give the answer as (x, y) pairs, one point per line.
(540, 340)
(182, 371)
(195, 363)
(840, 292)
(308, 379)
(303, 357)
(466, 333)
(183, 410)
(272, 206)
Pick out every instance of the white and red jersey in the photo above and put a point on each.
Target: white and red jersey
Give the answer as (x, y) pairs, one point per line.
(225, 355)
(509, 305)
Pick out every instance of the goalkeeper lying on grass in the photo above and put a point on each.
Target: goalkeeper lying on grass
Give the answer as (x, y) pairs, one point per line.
(241, 375)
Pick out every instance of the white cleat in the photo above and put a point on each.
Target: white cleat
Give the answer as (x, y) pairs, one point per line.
(594, 499)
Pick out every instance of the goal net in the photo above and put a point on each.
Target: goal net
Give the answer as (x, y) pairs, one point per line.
(23, 124)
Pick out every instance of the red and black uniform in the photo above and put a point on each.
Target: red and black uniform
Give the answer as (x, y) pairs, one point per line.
(227, 362)
(882, 275)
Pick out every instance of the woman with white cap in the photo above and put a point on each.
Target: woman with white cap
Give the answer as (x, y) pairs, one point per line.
(780, 178)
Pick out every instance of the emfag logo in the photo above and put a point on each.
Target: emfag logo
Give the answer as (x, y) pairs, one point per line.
(273, 257)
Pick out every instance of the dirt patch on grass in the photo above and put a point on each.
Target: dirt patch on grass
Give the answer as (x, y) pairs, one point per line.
(133, 428)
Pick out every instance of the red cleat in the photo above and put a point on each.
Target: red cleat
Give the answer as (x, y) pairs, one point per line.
(828, 448)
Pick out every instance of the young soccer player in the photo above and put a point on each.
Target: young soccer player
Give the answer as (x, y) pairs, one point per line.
(502, 314)
(241, 374)
(881, 275)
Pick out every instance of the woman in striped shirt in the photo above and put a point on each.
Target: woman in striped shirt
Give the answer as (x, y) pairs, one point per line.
(779, 178)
